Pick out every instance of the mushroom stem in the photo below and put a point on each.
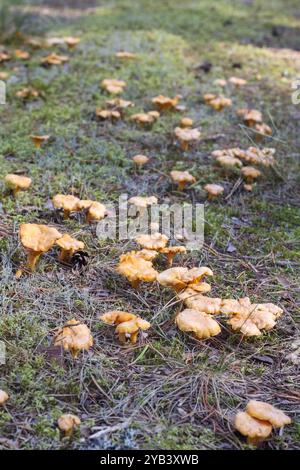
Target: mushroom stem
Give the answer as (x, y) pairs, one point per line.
(135, 284)
(184, 145)
(65, 255)
(170, 257)
(181, 185)
(32, 259)
(66, 214)
(15, 191)
(122, 338)
(133, 337)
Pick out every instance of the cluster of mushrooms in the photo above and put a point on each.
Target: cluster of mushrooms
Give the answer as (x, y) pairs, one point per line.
(201, 314)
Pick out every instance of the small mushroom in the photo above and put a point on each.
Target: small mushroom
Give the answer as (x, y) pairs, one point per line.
(136, 269)
(182, 178)
(221, 82)
(113, 86)
(67, 423)
(4, 76)
(202, 325)
(54, 59)
(140, 160)
(251, 117)
(180, 278)
(3, 397)
(171, 252)
(38, 140)
(164, 102)
(218, 103)
(130, 329)
(27, 93)
(4, 56)
(17, 183)
(71, 41)
(254, 429)
(119, 103)
(68, 246)
(141, 203)
(262, 130)
(228, 163)
(186, 122)
(213, 190)
(67, 202)
(238, 82)
(74, 337)
(20, 54)
(157, 241)
(266, 412)
(250, 173)
(145, 118)
(248, 187)
(37, 239)
(96, 212)
(108, 114)
(186, 136)
(125, 55)
(115, 317)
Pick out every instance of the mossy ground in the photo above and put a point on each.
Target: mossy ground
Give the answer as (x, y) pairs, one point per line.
(172, 391)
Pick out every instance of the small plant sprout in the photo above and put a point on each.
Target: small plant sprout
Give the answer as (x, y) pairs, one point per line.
(213, 190)
(186, 136)
(140, 160)
(136, 269)
(67, 424)
(182, 178)
(17, 183)
(37, 239)
(202, 325)
(67, 202)
(3, 397)
(68, 246)
(250, 173)
(113, 86)
(164, 102)
(39, 140)
(74, 337)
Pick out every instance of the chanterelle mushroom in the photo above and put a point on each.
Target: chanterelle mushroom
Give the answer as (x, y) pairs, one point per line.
(250, 173)
(186, 122)
(202, 325)
(37, 239)
(113, 86)
(228, 162)
(115, 317)
(119, 103)
(54, 59)
(250, 116)
(236, 81)
(71, 41)
(180, 278)
(254, 429)
(67, 423)
(68, 247)
(3, 397)
(195, 300)
(145, 118)
(136, 269)
(141, 203)
(17, 182)
(106, 114)
(125, 55)
(164, 102)
(157, 241)
(182, 178)
(38, 140)
(68, 203)
(213, 190)
(74, 337)
(186, 136)
(140, 160)
(129, 329)
(96, 211)
(266, 412)
(171, 251)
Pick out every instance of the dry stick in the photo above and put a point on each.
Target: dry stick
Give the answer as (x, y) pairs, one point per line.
(110, 429)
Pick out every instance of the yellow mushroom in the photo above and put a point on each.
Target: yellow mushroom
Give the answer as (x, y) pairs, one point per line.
(130, 329)
(202, 325)
(119, 103)
(38, 140)
(228, 162)
(182, 178)
(141, 202)
(186, 136)
(195, 300)
(3, 397)
(180, 278)
(107, 114)
(157, 241)
(37, 239)
(54, 59)
(68, 246)
(136, 269)
(96, 212)
(220, 82)
(266, 412)
(145, 118)
(113, 86)
(17, 182)
(251, 117)
(213, 190)
(20, 54)
(186, 122)
(67, 202)
(27, 92)
(262, 130)
(164, 102)
(254, 429)
(67, 423)
(125, 55)
(140, 160)
(71, 41)
(250, 173)
(171, 252)
(74, 337)
(115, 317)
(238, 82)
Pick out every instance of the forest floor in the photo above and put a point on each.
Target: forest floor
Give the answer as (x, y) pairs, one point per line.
(169, 391)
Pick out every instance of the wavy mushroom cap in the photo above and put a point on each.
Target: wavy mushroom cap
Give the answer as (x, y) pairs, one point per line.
(140, 201)
(140, 160)
(3, 397)
(27, 92)
(186, 122)
(219, 103)
(187, 134)
(125, 55)
(74, 337)
(226, 161)
(233, 306)
(66, 242)
(113, 86)
(115, 317)
(179, 278)
(39, 139)
(214, 190)
(17, 181)
(132, 326)
(68, 202)
(148, 255)
(250, 172)
(236, 81)
(164, 102)
(196, 301)
(96, 211)
(264, 129)
(54, 59)
(71, 41)
(145, 118)
(173, 250)
(119, 103)
(252, 117)
(220, 82)
(107, 114)
(67, 423)
(136, 268)
(157, 241)
(202, 325)
(266, 412)
(182, 177)
(38, 238)
(251, 427)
